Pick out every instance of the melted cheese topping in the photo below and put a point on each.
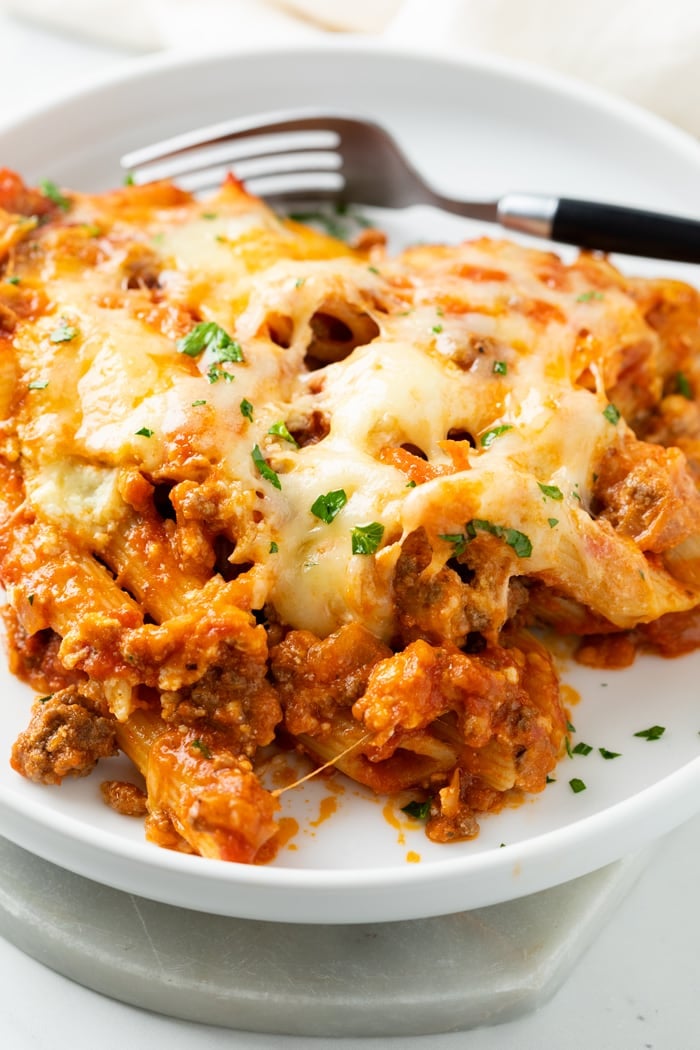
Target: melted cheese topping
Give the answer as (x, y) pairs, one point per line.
(485, 366)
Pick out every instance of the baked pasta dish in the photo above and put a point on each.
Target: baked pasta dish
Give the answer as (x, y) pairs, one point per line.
(264, 488)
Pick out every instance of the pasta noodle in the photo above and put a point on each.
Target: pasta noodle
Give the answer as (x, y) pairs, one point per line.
(261, 487)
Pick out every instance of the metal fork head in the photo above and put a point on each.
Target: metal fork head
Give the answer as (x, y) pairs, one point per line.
(287, 156)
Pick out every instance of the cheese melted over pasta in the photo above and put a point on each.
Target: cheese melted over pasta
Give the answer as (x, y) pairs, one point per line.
(258, 480)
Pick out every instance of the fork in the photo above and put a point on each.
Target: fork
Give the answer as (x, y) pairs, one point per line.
(297, 155)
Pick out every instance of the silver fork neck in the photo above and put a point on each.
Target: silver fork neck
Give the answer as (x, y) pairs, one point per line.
(531, 213)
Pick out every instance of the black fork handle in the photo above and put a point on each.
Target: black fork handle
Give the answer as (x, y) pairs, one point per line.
(603, 227)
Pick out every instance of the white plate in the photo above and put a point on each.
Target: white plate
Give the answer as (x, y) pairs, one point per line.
(475, 128)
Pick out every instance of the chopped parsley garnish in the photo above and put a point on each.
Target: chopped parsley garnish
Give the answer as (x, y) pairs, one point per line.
(519, 542)
(328, 506)
(331, 226)
(585, 297)
(577, 785)
(366, 538)
(246, 409)
(652, 733)
(683, 386)
(411, 484)
(199, 745)
(611, 413)
(437, 329)
(500, 368)
(609, 754)
(280, 430)
(300, 282)
(64, 333)
(208, 335)
(417, 810)
(266, 471)
(373, 269)
(550, 780)
(216, 372)
(51, 190)
(274, 548)
(13, 280)
(209, 215)
(30, 599)
(458, 540)
(145, 432)
(129, 179)
(571, 728)
(582, 749)
(38, 384)
(200, 401)
(44, 699)
(490, 436)
(552, 491)
(552, 522)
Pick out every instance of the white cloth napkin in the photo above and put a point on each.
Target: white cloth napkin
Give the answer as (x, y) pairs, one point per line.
(646, 50)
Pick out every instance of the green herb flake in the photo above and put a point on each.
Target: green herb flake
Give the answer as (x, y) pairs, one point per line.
(550, 780)
(200, 401)
(437, 329)
(266, 471)
(210, 215)
(300, 282)
(280, 430)
(44, 699)
(567, 745)
(38, 384)
(577, 785)
(458, 540)
(145, 432)
(30, 599)
(609, 754)
(500, 368)
(612, 414)
(490, 436)
(199, 745)
(582, 749)
(208, 335)
(417, 810)
(683, 386)
(411, 484)
(585, 297)
(366, 538)
(330, 225)
(129, 179)
(51, 190)
(274, 548)
(216, 372)
(246, 409)
(13, 280)
(551, 491)
(518, 541)
(652, 733)
(571, 728)
(552, 522)
(328, 506)
(373, 269)
(65, 333)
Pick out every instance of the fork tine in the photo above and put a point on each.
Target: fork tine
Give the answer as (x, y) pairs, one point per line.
(280, 121)
(244, 162)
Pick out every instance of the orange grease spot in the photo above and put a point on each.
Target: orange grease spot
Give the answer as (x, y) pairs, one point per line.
(288, 828)
(389, 814)
(328, 806)
(412, 857)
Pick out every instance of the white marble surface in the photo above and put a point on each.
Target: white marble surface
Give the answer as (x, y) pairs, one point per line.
(635, 988)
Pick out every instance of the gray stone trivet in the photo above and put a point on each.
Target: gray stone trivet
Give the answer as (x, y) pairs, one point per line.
(417, 977)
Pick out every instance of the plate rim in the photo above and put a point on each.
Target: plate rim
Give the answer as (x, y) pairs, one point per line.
(304, 882)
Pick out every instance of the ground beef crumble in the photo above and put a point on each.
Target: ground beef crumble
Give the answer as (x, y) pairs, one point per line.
(65, 737)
